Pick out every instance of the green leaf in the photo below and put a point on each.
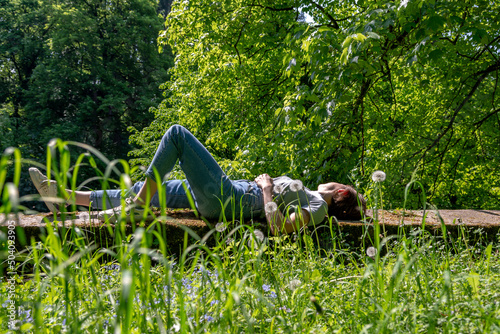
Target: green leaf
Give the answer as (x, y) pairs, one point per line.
(343, 56)
(324, 28)
(26, 327)
(436, 54)
(411, 60)
(359, 37)
(435, 22)
(373, 35)
(473, 280)
(316, 276)
(347, 42)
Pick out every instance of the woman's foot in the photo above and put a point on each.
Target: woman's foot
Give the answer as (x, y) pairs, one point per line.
(47, 189)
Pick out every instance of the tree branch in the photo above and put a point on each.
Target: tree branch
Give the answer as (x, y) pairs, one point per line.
(479, 123)
(272, 8)
(483, 74)
(330, 17)
(486, 48)
(364, 90)
(238, 40)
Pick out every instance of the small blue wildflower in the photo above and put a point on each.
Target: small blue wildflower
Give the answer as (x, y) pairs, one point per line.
(266, 287)
(186, 283)
(214, 302)
(208, 318)
(192, 320)
(26, 315)
(272, 294)
(285, 309)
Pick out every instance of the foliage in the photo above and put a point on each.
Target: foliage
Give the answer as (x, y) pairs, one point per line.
(5, 128)
(79, 70)
(408, 87)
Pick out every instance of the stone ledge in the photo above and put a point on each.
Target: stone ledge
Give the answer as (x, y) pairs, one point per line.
(480, 224)
(474, 224)
(34, 226)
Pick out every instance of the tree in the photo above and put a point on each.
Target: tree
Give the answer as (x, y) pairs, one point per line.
(407, 87)
(78, 70)
(23, 28)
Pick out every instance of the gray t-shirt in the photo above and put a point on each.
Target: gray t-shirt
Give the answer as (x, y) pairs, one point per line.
(289, 200)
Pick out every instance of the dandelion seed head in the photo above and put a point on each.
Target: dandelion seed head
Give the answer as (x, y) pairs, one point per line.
(252, 243)
(296, 185)
(371, 251)
(259, 235)
(378, 176)
(84, 216)
(127, 278)
(52, 142)
(126, 180)
(271, 207)
(256, 239)
(9, 151)
(278, 188)
(294, 284)
(220, 227)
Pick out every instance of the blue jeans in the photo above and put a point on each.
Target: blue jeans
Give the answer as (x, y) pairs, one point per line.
(209, 186)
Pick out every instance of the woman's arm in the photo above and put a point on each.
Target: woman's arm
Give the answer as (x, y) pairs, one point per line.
(276, 220)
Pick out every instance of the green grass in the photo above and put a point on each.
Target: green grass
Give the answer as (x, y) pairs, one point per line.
(416, 283)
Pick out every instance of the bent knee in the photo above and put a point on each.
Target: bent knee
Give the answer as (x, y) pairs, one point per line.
(174, 132)
(176, 128)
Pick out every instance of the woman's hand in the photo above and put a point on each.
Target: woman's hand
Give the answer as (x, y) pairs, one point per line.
(264, 181)
(276, 221)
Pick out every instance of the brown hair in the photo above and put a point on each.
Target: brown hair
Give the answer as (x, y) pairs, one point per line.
(348, 207)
